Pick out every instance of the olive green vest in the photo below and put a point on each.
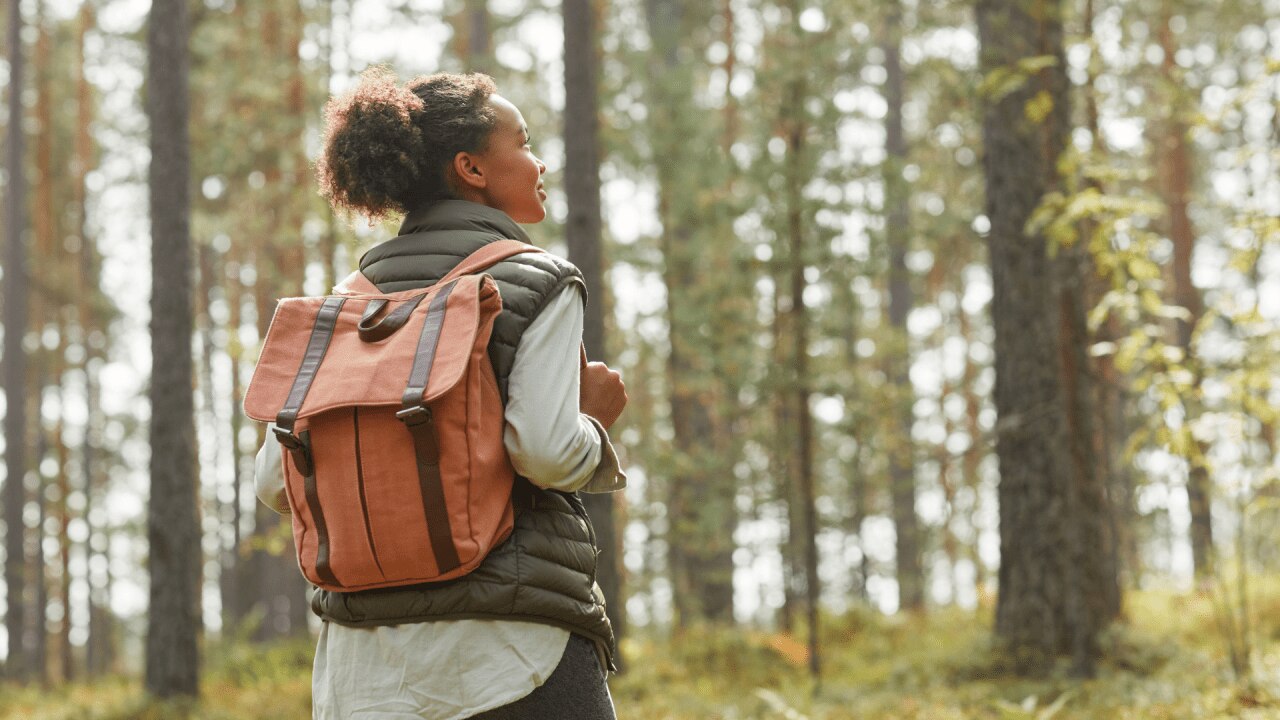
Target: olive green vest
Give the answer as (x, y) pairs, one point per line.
(545, 572)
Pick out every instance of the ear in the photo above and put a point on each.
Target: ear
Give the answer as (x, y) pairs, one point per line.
(466, 167)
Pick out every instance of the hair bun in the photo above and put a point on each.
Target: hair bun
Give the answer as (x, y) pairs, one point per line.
(387, 147)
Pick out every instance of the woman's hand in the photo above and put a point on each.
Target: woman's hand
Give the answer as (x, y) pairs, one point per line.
(601, 393)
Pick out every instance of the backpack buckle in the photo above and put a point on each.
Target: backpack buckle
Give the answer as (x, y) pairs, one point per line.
(416, 415)
(287, 438)
(297, 448)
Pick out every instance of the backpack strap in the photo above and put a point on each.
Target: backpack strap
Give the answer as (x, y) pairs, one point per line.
(355, 284)
(488, 256)
(417, 417)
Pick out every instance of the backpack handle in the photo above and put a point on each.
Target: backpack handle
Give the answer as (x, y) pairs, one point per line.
(391, 322)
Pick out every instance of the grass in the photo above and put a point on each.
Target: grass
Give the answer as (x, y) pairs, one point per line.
(1165, 663)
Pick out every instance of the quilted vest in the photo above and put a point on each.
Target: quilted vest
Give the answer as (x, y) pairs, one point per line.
(545, 572)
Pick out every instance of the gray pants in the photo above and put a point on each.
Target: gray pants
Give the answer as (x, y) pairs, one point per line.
(576, 690)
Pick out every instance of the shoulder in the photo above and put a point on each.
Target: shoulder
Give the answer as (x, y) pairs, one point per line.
(529, 281)
(542, 267)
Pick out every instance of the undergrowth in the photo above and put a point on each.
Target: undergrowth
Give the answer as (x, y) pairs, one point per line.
(1165, 662)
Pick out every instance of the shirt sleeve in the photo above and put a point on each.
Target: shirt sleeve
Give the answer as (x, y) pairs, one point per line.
(268, 475)
(549, 441)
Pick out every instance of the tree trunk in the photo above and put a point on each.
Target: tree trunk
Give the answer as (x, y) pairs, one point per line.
(39, 629)
(1113, 426)
(802, 457)
(902, 479)
(15, 366)
(87, 294)
(233, 565)
(701, 511)
(583, 232)
(473, 37)
(173, 528)
(1043, 608)
(1174, 154)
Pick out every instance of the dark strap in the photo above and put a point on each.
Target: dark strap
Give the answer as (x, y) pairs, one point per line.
(299, 446)
(420, 374)
(390, 323)
(417, 418)
(323, 571)
(427, 452)
(317, 345)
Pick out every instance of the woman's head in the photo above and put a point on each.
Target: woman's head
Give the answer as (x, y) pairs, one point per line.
(389, 148)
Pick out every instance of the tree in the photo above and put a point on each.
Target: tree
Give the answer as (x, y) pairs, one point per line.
(701, 513)
(1176, 173)
(1044, 607)
(583, 232)
(473, 37)
(902, 468)
(173, 530)
(15, 370)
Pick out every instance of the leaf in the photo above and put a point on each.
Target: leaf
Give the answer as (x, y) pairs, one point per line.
(1056, 706)
(779, 705)
(1039, 107)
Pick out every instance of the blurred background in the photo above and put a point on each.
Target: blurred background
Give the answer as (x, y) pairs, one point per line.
(808, 292)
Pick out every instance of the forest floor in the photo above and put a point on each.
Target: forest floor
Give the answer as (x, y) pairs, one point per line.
(1168, 660)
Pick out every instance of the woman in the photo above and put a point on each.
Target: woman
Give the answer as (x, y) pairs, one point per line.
(525, 635)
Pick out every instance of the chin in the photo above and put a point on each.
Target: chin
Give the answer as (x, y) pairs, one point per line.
(532, 217)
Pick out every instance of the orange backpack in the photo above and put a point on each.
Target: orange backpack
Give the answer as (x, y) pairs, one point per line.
(388, 412)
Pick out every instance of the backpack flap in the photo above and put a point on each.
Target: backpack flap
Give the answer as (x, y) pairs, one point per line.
(315, 360)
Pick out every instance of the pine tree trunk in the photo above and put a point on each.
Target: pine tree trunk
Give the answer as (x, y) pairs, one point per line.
(173, 529)
(16, 283)
(44, 226)
(479, 49)
(1044, 606)
(39, 629)
(66, 658)
(1174, 155)
(848, 301)
(1112, 428)
(584, 234)
(897, 230)
(87, 292)
(233, 565)
(802, 457)
(701, 511)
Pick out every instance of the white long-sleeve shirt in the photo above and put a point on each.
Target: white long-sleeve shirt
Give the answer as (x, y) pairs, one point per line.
(452, 669)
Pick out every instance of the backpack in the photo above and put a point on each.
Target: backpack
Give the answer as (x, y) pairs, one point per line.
(391, 424)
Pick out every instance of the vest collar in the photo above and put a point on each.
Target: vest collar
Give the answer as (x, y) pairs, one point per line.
(462, 215)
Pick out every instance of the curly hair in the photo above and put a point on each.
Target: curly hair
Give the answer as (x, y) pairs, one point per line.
(388, 148)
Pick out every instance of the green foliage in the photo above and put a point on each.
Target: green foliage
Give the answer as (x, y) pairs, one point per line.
(1004, 81)
(1164, 663)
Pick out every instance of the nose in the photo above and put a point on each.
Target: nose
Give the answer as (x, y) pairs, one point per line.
(542, 167)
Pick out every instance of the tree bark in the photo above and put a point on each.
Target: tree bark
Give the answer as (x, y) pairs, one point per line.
(1174, 156)
(902, 470)
(173, 528)
(583, 230)
(473, 37)
(87, 296)
(802, 459)
(39, 629)
(701, 511)
(1043, 609)
(15, 367)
